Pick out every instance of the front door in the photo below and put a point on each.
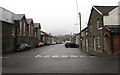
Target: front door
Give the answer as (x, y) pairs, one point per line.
(94, 44)
(87, 44)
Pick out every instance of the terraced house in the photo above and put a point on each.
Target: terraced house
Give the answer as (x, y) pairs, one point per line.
(31, 32)
(104, 30)
(22, 29)
(17, 29)
(8, 30)
(84, 39)
(37, 27)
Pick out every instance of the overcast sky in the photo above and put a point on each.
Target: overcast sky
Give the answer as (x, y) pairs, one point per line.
(56, 16)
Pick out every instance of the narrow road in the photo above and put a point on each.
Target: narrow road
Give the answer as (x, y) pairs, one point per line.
(57, 59)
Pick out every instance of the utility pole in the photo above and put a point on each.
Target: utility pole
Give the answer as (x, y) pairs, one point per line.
(79, 14)
(80, 31)
(80, 20)
(80, 24)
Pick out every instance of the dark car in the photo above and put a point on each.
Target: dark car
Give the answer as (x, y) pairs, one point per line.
(23, 46)
(47, 44)
(40, 44)
(71, 44)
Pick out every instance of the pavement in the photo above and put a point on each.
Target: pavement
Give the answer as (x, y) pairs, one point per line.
(58, 59)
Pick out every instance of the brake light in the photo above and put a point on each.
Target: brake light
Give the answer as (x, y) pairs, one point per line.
(39, 44)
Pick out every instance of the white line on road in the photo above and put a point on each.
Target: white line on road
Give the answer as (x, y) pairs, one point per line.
(55, 56)
(64, 56)
(74, 56)
(82, 56)
(61, 56)
(37, 56)
(47, 56)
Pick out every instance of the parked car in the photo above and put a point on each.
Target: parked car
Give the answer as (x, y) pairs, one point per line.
(71, 44)
(53, 43)
(40, 44)
(47, 44)
(23, 46)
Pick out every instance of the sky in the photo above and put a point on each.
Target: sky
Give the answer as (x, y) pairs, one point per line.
(58, 17)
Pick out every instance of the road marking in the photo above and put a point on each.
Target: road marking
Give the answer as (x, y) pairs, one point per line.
(82, 56)
(37, 56)
(64, 56)
(55, 56)
(74, 56)
(46, 56)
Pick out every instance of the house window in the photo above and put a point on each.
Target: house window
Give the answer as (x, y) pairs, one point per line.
(38, 33)
(83, 42)
(86, 33)
(24, 28)
(82, 34)
(35, 34)
(20, 28)
(98, 24)
(13, 32)
(29, 30)
(90, 28)
(98, 42)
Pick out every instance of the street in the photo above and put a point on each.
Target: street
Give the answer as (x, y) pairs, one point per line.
(57, 59)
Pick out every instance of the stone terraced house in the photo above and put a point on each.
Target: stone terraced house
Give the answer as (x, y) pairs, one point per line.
(104, 30)
(17, 29)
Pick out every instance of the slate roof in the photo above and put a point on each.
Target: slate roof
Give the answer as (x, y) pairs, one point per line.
(105, 9)
(44, 33)
(114, 29)
(37, 25)
(29, 20)
(18, 16)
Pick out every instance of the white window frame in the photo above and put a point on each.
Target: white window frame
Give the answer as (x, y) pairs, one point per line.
(29, 29)
(98, 24)
(20, 33)
(98, 42)
(24, 28)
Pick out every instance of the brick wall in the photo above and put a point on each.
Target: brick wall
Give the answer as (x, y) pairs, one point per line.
(8, 37)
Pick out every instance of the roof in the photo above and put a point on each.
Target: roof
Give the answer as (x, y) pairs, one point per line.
(46, 34)
(37, 25)
(6, 15)
(43, 33)
(18, 16)
(114, 29)
(29, 20)
(105, 9)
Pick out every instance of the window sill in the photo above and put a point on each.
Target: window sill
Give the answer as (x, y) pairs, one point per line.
(100, 28)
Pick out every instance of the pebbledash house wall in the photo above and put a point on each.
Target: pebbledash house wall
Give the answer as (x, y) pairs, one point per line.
(113, 20)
